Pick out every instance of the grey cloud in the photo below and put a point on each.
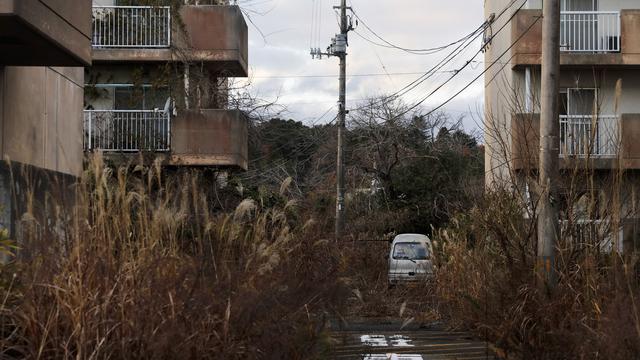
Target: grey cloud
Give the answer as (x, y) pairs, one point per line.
(410, 23)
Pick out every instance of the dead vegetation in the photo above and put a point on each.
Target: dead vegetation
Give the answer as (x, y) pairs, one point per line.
(142, 268)
(486, 282)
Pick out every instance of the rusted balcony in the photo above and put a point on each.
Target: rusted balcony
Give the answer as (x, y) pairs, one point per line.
(192, 138)
(601, 142)
(210, 137)
(45, 32)
(215, 35)
(587, 38)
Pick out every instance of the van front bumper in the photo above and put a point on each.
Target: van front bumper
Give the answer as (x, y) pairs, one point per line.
(409, 278)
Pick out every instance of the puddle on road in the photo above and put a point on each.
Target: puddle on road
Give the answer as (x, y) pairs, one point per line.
(383, 341)
(392, 357)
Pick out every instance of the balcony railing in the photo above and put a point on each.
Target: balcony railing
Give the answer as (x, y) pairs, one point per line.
(598, 235)
(590, 31)
(127, 131)
(587, 135)
(131, 27)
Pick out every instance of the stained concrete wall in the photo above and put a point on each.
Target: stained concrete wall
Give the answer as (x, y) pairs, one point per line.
(526, 28)
(499, 98)
(41, 117)
(210, 137)
(214, 35)
(45, 32)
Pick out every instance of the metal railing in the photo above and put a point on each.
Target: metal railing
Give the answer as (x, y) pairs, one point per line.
(590, 31)
(127, 130)
(595, 234)
(131, 26)
(587, 135)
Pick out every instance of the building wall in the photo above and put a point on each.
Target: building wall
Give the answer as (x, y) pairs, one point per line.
(45, 32)
(604, 80)
(41, 117)
(498, 98)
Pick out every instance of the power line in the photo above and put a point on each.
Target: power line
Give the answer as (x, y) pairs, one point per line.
(447, 59)
(428, 51)
(388, 45)
(467, 64)
(486, 68)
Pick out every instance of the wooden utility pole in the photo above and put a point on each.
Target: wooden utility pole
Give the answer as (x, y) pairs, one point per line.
(548, 222)
(338, 48)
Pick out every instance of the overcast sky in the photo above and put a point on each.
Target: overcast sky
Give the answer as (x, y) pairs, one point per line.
(280, 35)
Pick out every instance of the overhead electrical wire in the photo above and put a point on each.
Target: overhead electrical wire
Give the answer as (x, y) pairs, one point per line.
(467, 64)
(447, 60)
(387, 44)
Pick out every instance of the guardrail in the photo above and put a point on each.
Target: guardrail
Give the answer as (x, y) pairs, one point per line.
(590, 31)
(587, 135)
(131, 27)
(127, 130)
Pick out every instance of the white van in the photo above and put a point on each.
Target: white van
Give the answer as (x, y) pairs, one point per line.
(410, 259)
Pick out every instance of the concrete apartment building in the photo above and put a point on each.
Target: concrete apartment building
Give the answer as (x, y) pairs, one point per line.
(44, 47)
(599, 113)
(159, 82)
(115, 77)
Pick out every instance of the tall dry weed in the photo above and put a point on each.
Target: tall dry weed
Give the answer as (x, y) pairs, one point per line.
(144, 267)
(486, 281)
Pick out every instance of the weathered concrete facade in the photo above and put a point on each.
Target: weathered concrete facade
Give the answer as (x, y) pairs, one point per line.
(45, 32)
(210, 136)
(215, 35)
(600, 88)
(44, 46)
(170, 91)
(528, 50)
(41, 117)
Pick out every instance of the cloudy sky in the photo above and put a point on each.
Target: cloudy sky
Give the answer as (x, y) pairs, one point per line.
(282, 31)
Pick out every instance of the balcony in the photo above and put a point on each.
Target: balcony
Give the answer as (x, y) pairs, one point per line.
(127, 130)
(592, 235)
(135, 27)
(210, 137)
(45, 33)
(589, 136)
(193, 138)
(587, 38)
(590, 31)
(601, 142)
(215, 35)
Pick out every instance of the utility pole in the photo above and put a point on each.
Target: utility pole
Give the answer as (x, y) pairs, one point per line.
(548, 222)
(338, 48)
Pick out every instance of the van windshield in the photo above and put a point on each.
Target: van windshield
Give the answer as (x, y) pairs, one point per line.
(410, 251)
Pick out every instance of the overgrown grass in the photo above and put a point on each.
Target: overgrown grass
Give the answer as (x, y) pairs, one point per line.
(141, 267)
(486, 281)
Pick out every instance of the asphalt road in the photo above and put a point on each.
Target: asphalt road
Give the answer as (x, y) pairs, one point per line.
(380, 339)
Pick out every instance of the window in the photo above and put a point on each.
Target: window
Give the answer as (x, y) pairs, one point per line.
(410, 251)
(578, 101)
(581, 101)
(579, 5)
(140, 98)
